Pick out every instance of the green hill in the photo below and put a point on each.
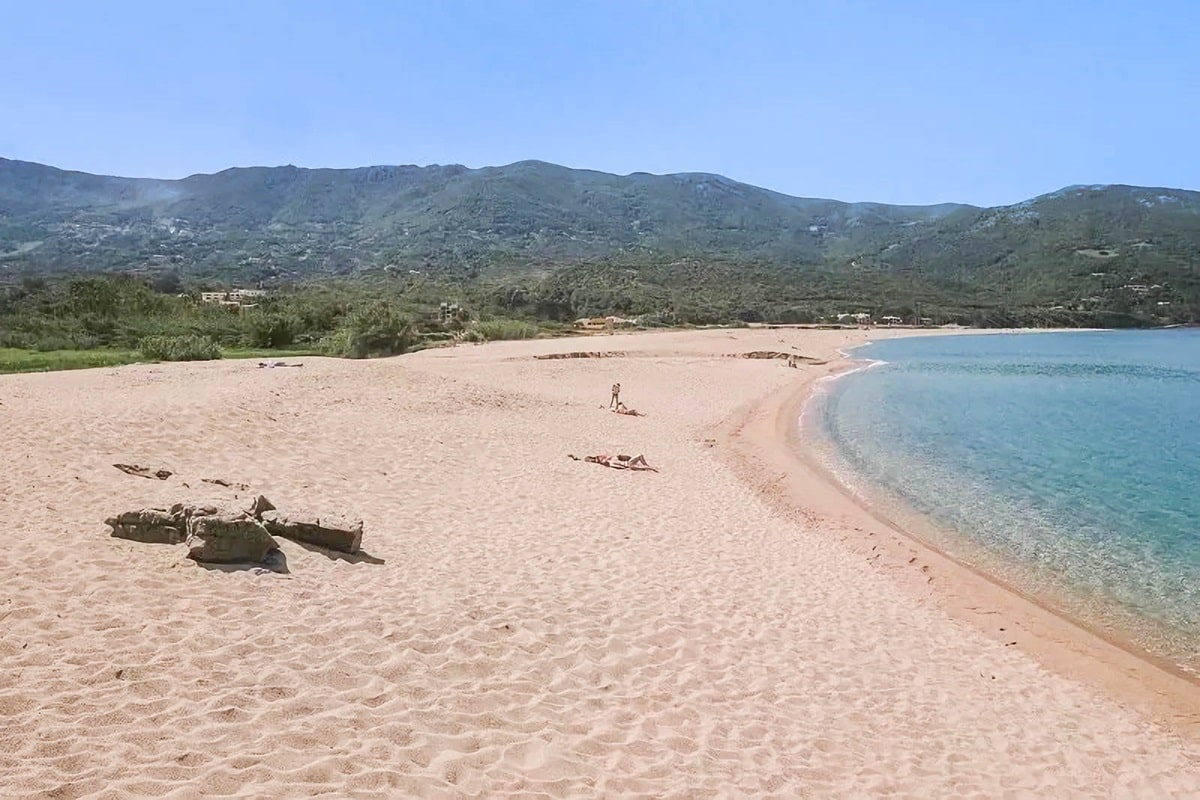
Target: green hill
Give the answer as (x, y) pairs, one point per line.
(1081, 248)
(296, 222)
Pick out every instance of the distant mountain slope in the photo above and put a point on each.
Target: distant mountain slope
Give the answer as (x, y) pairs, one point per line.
(1080, 239)
(260, 223)
(291, 221)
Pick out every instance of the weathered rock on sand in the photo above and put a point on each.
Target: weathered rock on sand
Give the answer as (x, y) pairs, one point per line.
(228, 538)
(780, 355)
(157, 525)
(259, 506)
(217, 535)
(343, 536)
(185, 511)
(144, 472)
(227, 484)
(582, 354)
(211, 535)
(148, 525)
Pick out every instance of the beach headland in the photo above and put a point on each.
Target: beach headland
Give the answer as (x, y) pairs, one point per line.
(520, 623)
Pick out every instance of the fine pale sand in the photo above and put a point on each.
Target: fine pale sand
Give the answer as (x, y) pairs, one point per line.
(520, 623)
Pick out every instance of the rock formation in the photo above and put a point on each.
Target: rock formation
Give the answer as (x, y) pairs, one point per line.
(157, 525)
(343, 536)
(232, 536)
(228, 538)
(149, 525)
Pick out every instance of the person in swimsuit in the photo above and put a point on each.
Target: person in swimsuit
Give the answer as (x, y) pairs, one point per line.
(619, 461)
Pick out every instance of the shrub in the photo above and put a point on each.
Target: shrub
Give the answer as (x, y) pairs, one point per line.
(179, 348)
(378, 330)
(271, 330)
(472, 336)
(52, 342)
(498, 329)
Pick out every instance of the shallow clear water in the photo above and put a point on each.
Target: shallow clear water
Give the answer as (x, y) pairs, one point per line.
(1070, 462)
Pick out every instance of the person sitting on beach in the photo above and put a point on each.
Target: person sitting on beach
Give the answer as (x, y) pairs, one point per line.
(627, 411)
(619, 461)
(615, 400)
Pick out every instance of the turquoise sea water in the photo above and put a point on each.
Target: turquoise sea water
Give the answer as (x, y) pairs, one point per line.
(1068, 463)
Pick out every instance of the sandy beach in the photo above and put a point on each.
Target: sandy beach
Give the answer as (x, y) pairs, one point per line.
(519, 623)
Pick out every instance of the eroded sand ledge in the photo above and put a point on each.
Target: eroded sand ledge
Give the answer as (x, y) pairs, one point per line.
(538, 626)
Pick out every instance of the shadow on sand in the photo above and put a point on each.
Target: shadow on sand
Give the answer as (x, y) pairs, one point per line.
(276, 561)
(360, 557)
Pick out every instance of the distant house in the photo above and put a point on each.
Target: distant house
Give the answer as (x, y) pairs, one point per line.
(861, 318)
(244, 295)
(604, 323)
(241, 298)
(891, 320)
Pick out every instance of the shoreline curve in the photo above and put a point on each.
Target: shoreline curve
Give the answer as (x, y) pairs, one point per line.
(764, 446)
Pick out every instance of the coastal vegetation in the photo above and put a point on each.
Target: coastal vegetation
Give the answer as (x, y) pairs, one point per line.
(98, 320)
(105, 320)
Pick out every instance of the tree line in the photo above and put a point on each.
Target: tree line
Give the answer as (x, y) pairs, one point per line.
(383, 313)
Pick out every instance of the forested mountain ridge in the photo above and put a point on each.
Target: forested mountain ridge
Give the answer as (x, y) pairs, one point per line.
(1082, 246)
(304, 222)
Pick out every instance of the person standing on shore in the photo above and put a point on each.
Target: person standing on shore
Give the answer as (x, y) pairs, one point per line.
(615, 400)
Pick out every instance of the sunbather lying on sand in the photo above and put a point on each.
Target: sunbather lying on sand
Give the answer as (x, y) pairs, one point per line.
(627, 411)
(620, 461)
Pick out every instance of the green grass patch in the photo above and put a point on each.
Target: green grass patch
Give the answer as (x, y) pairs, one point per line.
(17, 360)
(13, 360)
(265, 354)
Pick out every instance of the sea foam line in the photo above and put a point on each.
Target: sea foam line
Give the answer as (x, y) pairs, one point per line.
(818, 392)
(820, 386)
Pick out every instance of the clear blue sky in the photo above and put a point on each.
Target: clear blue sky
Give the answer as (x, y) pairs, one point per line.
(905, 102)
